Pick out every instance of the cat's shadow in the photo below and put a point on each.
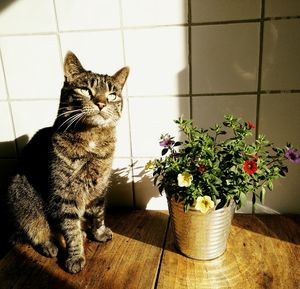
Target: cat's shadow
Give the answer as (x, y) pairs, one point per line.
(8, 166)
(132, 187)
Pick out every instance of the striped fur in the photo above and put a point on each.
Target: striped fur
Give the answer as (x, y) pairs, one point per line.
(64, 170)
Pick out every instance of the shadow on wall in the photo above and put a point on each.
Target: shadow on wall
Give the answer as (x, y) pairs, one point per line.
(132, 192)
(7, 169)
(5, 3)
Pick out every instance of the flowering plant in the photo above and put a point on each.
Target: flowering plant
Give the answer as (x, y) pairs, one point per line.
(207, 171)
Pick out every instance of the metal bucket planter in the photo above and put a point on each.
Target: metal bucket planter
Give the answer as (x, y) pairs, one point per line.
(200, 236)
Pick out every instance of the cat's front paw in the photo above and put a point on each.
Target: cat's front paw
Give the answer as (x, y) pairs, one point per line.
(103, 234)
(75, 264)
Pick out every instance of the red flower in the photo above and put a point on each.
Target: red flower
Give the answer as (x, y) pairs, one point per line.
(250, 124)
(250, 166)
(202, 169)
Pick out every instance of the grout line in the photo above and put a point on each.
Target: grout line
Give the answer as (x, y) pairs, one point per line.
(190, 56)
(226, 22)
(27, 34)
(260, 59)
(238, 21)
(159, 96)
(58, 36)
(275, 18)
(291, 91)
(162, 254)
(9, 105)
(225, 93)
(33, 99)
(280, 91)
(128, 106)
(254, 20)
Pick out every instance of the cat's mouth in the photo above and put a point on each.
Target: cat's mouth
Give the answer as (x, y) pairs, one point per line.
(97, 118)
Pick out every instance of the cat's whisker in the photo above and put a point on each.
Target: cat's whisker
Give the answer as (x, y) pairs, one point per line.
(73, 120)
(82, 116)
(67, 120)
(67, 105)
(70, 111)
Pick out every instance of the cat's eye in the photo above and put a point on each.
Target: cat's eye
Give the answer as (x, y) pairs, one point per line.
(84, 92)
(111, 97)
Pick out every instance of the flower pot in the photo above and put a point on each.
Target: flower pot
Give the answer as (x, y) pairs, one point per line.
(200, 236)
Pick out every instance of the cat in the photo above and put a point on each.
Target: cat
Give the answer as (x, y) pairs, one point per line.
(64, 170)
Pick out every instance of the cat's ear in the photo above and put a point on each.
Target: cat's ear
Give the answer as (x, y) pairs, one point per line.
(121, 75)
(72, 65)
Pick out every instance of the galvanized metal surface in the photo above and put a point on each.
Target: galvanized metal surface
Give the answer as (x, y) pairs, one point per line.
(200, 236)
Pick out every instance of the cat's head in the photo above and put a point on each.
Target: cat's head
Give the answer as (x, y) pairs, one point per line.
(89, 99)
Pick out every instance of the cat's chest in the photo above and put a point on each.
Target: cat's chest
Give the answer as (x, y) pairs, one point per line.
(92, 145)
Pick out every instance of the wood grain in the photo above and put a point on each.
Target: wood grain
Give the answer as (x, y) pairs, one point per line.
(263, 252)
(130, 260)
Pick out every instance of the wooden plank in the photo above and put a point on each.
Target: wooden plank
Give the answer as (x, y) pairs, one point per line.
(130, 260)
(263, 252)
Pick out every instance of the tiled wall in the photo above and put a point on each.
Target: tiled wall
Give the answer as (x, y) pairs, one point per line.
(199, 58)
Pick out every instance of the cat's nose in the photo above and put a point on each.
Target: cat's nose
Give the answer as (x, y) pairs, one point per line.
(101, 105)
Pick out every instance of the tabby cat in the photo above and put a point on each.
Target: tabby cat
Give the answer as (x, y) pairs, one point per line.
(64, 170)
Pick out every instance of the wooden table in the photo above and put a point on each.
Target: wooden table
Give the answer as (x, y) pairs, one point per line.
(263, 252)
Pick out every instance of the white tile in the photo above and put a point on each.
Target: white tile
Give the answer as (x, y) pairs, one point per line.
(88, 14)
(27, 16)
(152, 117)
(32, 66)
(223, 10)
(159, 61)
(100, 52)
(209, 110)
(120, 190)
(284, 198)
(31, 116)
(154, 12)
(3, 94)
(147, 195)
(225, 58)
(281, 58)
(279, 120)
(123, 135)
(275, 8)
(7, 137)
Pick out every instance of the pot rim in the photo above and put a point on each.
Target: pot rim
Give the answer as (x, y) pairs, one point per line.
(192, 208)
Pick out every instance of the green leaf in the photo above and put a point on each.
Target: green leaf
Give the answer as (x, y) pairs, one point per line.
(243, 199)
(161, 188)
(270, 186)
(262, 195)
(222, 132)
(155, 180)
(164, 151)
(178, 143)
(186, 207)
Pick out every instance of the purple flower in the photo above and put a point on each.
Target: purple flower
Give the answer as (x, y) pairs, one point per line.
(293, 155)
(166, 141)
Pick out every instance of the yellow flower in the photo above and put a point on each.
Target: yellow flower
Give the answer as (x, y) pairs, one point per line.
(203, 204)
(149, 165)
(184, 179)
